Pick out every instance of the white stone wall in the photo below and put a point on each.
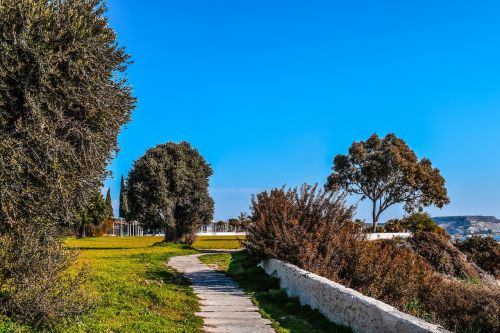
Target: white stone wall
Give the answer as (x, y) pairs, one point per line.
(388, 235)
(343, 305)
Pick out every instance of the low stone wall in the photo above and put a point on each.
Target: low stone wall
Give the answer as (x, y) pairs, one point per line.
(343, 305)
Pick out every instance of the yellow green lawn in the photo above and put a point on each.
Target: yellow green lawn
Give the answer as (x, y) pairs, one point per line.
(135, 290)
(218, 242)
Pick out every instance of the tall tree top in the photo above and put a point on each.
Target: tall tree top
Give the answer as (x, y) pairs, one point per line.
(386, 171)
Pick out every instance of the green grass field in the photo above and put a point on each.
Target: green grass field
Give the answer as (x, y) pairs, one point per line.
(218, 242)
(136, 291)
(286, 314)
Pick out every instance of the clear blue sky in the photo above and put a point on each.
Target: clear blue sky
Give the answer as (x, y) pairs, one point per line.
(270, 91)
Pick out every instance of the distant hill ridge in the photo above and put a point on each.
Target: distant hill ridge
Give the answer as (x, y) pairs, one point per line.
(468, 225)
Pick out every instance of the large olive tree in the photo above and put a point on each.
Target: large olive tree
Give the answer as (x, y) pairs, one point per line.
(168, 189)
(63, 100)
(387, 172)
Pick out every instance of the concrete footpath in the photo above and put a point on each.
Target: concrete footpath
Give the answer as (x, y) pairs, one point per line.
(225, 307)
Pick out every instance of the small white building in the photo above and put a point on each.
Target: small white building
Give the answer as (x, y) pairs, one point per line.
(124, 228)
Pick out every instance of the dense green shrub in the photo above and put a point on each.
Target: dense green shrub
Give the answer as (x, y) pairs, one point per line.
(484, 251)
(413, 223)
(64, 97)
(168, 189)
(37, 286)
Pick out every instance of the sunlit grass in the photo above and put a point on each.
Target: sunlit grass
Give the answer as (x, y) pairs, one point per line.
(218, 242)
(136, 290)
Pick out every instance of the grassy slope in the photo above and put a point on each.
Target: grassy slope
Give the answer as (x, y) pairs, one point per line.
(136, 291)
(286, 313)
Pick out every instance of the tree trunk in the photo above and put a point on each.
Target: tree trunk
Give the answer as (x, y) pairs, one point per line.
(171, 234)
(374, 215)
(80, 231)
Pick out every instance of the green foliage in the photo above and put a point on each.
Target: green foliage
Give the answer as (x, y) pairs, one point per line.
(394, 225)
(168, 188)
(484, 251)
(62, 106)
(123, 213)
(413, 223)
(63, 100)
(88, 219)
(421, 222)
(244, 221)
(36, 286)
(109, 204)
(286, 314)
(387, 172)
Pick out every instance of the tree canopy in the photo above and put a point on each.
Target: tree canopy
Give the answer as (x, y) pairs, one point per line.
(88, 219)
(387, 172)
(168, 189)
(63, 100)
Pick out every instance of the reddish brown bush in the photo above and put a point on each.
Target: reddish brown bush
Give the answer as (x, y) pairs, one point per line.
(442, 255)
(313, 230)
(390, 271)
(303, 227)
(463, 307)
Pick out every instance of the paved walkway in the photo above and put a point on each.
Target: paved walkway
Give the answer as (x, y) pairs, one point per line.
(225, 307)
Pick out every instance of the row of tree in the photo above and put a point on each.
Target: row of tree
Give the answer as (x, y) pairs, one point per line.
(167, 188)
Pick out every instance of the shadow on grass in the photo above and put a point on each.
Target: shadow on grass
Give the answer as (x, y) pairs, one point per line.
(167, 275)
(173, 245)
(284, 311)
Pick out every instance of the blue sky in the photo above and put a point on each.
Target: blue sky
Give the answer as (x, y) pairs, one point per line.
(270, 91)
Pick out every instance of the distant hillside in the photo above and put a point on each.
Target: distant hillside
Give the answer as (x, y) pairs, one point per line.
(467, 225)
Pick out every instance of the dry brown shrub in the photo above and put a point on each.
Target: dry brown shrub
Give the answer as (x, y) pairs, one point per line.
(442, 255)
(463, 307)
(302, 226)
(390, 272)
(314, 231)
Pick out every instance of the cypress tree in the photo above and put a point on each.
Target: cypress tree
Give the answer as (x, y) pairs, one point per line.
(123, 211)
(109, 203)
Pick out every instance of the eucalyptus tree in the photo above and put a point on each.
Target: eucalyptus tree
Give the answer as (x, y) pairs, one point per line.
(168, 189)
(387, 172)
